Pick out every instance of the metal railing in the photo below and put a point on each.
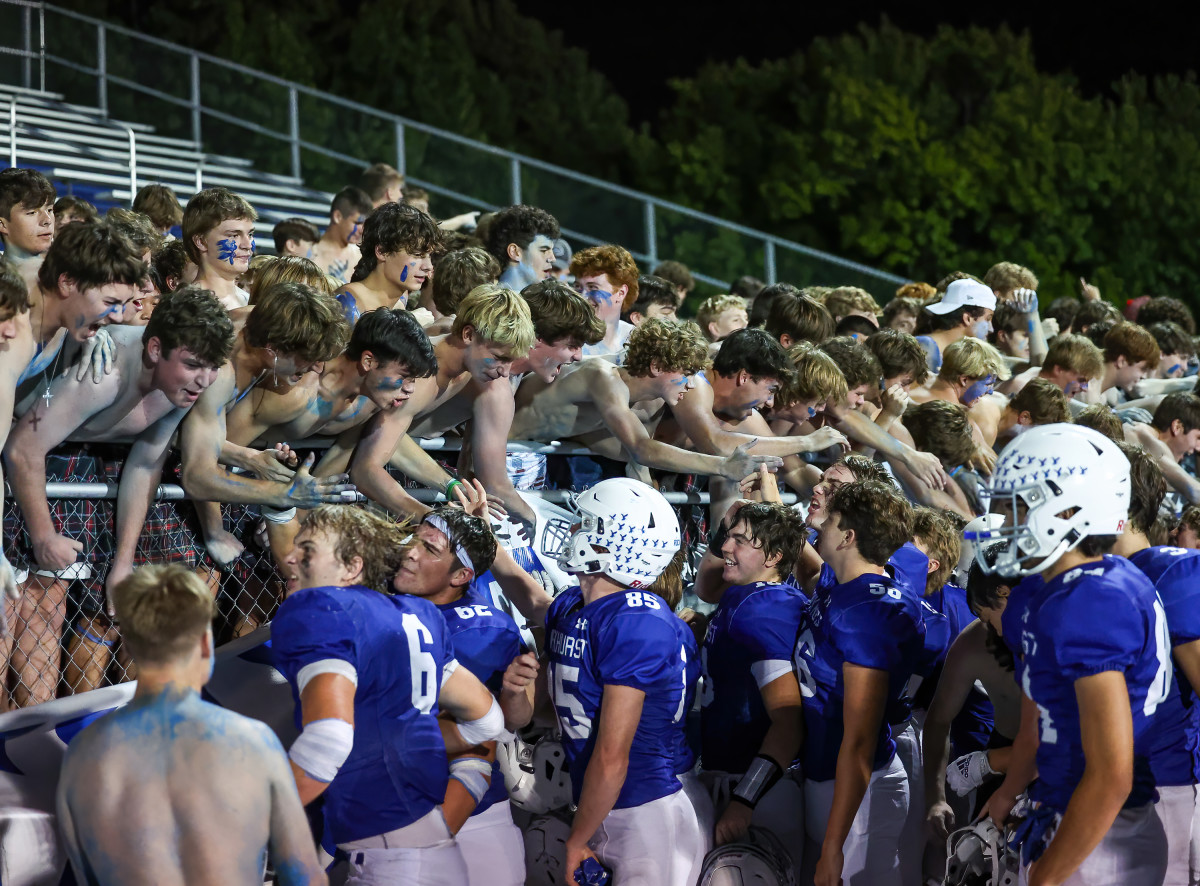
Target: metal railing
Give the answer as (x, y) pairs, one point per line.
(285, 125)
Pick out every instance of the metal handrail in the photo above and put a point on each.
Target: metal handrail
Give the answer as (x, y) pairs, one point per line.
(651, 205)
(130, 134)
(12, 132)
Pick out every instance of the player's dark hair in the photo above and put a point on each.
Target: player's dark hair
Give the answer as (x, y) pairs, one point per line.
(1093, 312)
(167, 264)
(192, 318)
(1172, 338)
(652, 290)
(757, 352)
(458, 272)
(518, 224)
(298, 229)
(1164, 308)
(1147, 487)
(864, 468)
(853, 324)
(855, 359)
(392, 334)
(747, 287)
(25, 186)
(472, 533)
(880, 517)
(75, 206)
(765, 298)
(677, 274)
(350, 201)
(775, 529)
(800, 317)
(984, 591)
(395, 227)
(1063, 310)
(1182, 406)
(898, 354)
(559, 312)
(91, 255)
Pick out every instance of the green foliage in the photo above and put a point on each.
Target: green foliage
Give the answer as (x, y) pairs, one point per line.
(923, 156)
(917, 155)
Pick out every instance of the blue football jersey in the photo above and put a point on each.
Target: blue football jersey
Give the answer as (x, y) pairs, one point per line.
(1104, 616)
(1175, 738)
(869, 622)
(749, 644)
(908, 566)
(623, 639)
(685, 756)
(485, 641)
(397, 769)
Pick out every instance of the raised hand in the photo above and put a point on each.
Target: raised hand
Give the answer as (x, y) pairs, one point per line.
(99, 356)
(307, 491)
(823, 438)
(740, 462)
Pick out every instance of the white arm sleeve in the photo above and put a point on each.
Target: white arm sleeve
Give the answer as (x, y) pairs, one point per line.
(323, 747)
(769, 671)
(450, 668)
(489, 727)
(326, 666)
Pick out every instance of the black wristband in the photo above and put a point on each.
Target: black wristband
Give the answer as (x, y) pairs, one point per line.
(760, 777)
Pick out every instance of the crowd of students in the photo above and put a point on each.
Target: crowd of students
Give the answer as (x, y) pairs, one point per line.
(863, 689)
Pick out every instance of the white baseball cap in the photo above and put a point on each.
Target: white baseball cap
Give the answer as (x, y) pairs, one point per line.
(964, 293)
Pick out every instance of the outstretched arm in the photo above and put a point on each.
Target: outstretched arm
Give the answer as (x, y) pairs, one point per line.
(491, 421)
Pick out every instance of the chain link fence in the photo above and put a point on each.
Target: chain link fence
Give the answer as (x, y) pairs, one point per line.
(61, 638)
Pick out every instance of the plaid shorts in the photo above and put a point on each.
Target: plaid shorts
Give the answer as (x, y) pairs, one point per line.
(88, 520)
(171, 534)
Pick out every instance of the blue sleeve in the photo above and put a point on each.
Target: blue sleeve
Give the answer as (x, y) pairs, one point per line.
(1087, 640)
(766, 626)
(637, 650)
(486, 650)
(309, 627)
(1179, 588)
(868, 635)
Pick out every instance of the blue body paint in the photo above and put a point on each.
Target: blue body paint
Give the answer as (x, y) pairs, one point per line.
(226, 250)
(349, 306)
(404, 274)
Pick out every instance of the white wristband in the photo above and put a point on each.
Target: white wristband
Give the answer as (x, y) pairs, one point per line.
(277, 516)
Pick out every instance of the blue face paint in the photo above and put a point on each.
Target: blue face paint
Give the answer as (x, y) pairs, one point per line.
(978, 389)
(680, 382)
(599, 296)
(812, 411)
(226, 250)
(404, 273)
(391, 384)
(309, 253)
(252, 246)
(1176, 368)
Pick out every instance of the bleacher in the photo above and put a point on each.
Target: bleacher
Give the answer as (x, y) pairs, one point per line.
(102, 160)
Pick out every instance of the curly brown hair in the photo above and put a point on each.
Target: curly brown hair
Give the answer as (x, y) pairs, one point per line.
(671, 347)
(615, 262)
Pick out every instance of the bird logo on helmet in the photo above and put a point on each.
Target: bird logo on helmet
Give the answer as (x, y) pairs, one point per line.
(626, 530)
(1055, 485)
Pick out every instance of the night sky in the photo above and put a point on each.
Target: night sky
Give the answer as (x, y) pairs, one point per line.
(638, 46)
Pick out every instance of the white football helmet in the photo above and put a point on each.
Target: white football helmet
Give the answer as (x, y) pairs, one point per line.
(1060, 483)
(546, 850)
(759, 860)
(631, 521)
(536, 774)
(979, 855)
(976, 534)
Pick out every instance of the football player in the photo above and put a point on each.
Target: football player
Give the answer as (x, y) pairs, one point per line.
(369, 672)
(1095, 667)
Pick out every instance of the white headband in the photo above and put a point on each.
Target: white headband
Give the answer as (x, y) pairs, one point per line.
(459, 551)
